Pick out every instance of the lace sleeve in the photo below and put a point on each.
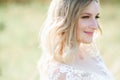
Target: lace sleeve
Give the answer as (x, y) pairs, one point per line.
(68, 73)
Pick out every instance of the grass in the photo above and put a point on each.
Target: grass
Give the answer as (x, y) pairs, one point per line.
(19, 28)
(109, 41)
(19, 50)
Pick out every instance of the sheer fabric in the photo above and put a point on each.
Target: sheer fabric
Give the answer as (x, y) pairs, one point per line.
(64, 72)
(78, 71)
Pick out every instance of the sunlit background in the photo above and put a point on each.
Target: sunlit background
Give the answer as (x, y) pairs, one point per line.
(20, 22)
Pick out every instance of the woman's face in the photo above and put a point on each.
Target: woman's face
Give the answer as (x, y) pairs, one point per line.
(87, 23)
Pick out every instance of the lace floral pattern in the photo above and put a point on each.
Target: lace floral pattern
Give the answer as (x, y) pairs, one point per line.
(65, 72)
(90, 69)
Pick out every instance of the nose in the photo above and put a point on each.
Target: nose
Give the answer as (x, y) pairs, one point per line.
(94, 24)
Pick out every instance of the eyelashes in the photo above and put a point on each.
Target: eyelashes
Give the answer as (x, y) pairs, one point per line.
(97, 17)
(84, 17)
(87, 17)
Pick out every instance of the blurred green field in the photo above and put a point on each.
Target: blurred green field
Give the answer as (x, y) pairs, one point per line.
(19, 29)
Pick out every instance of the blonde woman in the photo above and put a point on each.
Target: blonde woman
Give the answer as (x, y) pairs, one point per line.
(67, 41)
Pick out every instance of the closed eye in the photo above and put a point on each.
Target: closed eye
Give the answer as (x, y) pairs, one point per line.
(84, 17)
(97, 17)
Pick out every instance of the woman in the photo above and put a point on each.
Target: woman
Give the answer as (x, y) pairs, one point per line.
(67, 40)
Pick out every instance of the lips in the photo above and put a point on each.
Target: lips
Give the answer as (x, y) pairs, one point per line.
(89, 33)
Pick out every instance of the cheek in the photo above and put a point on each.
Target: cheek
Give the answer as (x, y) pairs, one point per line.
(83, 23)
(79, 30)
(81, 27)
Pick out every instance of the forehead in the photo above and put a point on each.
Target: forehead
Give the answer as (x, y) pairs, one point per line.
(93, 7)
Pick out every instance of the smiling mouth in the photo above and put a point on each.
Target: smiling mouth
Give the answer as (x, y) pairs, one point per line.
(89, 33)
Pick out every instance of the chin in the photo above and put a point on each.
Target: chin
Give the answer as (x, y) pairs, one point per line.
(87, 41)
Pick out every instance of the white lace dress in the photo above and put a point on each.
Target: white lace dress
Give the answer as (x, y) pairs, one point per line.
(89, 69)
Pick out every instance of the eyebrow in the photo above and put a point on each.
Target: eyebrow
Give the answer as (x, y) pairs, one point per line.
(89, 13)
